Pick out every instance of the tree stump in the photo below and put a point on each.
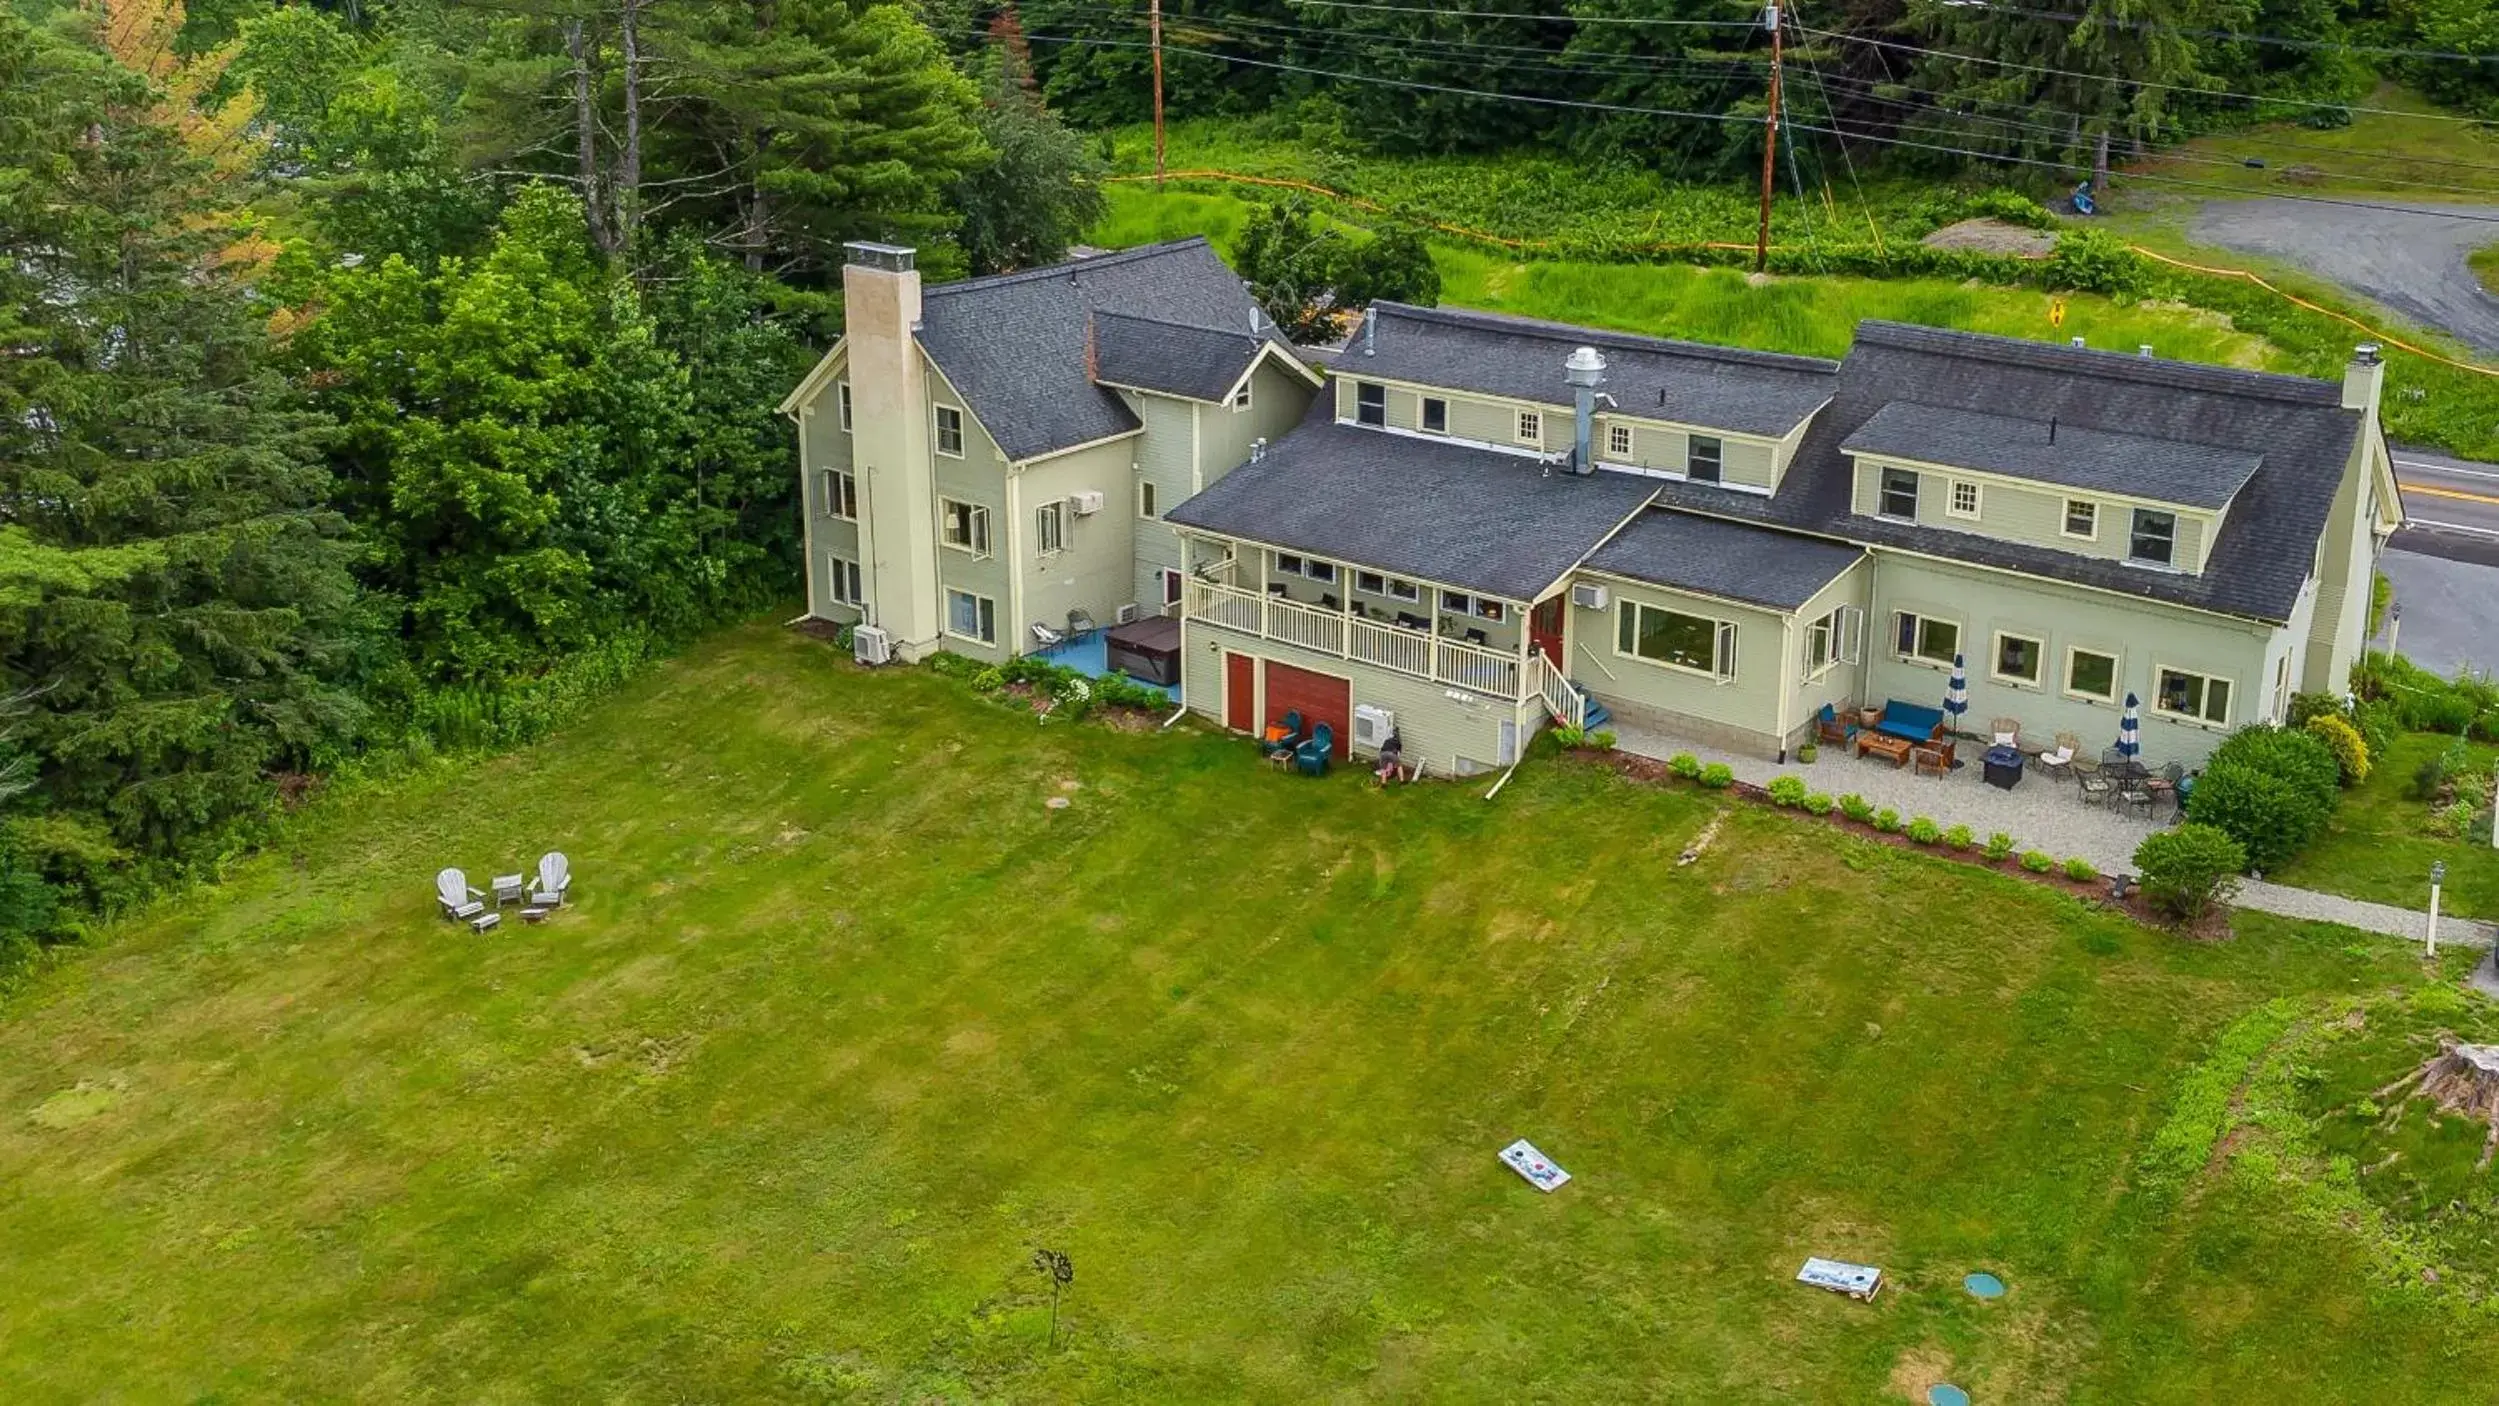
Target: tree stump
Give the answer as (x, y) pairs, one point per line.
(2461, 1078)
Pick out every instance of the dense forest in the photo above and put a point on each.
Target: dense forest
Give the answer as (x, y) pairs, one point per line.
(384, 379)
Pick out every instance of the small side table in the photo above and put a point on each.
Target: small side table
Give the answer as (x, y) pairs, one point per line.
(485, 922)
(509, 888)
(535, 914)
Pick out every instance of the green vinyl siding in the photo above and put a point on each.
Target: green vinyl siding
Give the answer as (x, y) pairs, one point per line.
(1095, 569)
(1746, 463)
(2032, 515)
(979, 477)
(1162, 457)
(1741, 711)
(826, 448)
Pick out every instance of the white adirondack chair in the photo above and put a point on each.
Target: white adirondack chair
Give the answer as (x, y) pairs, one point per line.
(555, 875)
(459, 901)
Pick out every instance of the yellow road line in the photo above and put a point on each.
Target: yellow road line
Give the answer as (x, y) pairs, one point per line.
(2457, 493)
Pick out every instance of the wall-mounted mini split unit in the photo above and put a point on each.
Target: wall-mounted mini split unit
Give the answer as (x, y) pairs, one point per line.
(1372, 727)
(1588, 595)
(1125, 615)
(870, 645)
(1086, 503)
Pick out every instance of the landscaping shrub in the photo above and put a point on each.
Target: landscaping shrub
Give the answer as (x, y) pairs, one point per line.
(2038, 861)
(1887, 820)
(1999, 845)
(2090, 261)
(2431, 776)
(2185, 871)
(1857, 808)
(2298, 757)
(1959, 837)
(2351, 754)
(1718, 776)
(949, 664)
(2424, 702)
(1685, 765)
(1568, 738)
(1787, 791)
(2080, 870)
(2271, 818)
(1923, 831)
(1601, 740)
(989, 680)
(1818, 803)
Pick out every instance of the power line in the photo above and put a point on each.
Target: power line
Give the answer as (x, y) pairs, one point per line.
(1444, 12)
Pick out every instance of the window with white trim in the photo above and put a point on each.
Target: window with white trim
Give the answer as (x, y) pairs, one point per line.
(843, 581)
(950, 432)
(1898, 495)
(1241, 397)
(1050, 528)
(1371, 583)
(1704, 458)
(963, 526)
(1370, 403)
(841, 495)
(2082, 519)
(2091, 674)
(1923, 637)
(1148, 503)
(2018, 658)
(1675, 639)
(2155, 537)
(1435, 415)
(1531, 427)
(1323, 572)
(841, 396)
(1404, 590)
(1963, 501)
(1172, 583)
(2282, 687)
(2201, 698)
(1288, 564)
(1618, 441)
(972, 617)
(1836, 638)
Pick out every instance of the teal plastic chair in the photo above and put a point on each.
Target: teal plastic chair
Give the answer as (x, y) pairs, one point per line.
(1312, 757)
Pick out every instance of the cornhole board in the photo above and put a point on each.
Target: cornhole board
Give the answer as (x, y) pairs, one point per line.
(1525, 1160)
(1858, 1281)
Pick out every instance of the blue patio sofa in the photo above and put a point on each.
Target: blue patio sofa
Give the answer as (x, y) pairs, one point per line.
(1910, 721)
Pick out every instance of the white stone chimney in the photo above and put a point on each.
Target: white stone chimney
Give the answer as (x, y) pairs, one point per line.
(2364, 380)
(890, 429)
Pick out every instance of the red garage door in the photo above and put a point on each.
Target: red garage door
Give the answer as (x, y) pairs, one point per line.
(1319, 697)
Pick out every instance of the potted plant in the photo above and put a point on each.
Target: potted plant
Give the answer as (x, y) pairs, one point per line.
(1806, 752)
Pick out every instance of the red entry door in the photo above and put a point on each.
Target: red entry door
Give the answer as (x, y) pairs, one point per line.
(1544, 630)
(1240, 693)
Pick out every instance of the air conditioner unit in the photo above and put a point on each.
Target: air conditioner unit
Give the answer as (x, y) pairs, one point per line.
(870, 645)
(1372, 727)
(1086, 503)
(1125, 615)
(1588, 595)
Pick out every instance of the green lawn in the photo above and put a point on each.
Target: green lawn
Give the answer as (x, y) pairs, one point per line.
(2380, 845)
(2485, 262)
(845, 1022)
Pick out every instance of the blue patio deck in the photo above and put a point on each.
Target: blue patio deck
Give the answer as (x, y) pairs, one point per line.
(1087, 655)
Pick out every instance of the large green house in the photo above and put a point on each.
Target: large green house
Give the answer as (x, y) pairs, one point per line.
(1462, 527)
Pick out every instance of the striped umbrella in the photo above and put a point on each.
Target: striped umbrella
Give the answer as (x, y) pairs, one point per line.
(1957, 693)
(2130, 729)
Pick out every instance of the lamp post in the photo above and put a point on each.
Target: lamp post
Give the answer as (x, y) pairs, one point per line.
(2438, 875)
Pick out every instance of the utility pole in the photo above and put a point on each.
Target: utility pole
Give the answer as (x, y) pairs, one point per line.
(1154, 13)
(1770, 141)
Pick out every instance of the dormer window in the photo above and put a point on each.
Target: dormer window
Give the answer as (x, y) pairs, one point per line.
(1618, 441)
(1964, 502)
(1703, 458)
(1531, 427)
(1435, 415)
(1899, 497)
(1370, 403)
(2155, 538)
(1241, 397)
(2082, 519)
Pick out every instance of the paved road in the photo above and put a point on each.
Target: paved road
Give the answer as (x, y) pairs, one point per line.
(2410, 258)
(2445, 563)
(2451, 505)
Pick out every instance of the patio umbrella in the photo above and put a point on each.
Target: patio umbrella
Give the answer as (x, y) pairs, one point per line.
(1957, 694)
(2130, 729)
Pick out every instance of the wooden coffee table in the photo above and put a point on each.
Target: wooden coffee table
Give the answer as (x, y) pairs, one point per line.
(1896, 748)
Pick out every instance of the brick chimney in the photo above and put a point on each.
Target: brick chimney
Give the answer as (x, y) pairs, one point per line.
(890, 429)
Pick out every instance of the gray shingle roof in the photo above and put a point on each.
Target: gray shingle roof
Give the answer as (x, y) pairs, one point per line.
(1721, 387)
(1726, 559)
(1151, 354)
(2070, 456)
(2267, 542)
(1014, 344)
(1496, 524)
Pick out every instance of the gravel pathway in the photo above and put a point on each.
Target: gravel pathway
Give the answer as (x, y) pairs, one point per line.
(2044, 814)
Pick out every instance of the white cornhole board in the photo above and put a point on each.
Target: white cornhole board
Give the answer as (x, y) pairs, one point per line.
(1858, 1281)
(1525, 1160)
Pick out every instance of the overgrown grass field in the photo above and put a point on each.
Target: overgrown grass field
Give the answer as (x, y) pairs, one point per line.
(2380, 844)
(846, 1021)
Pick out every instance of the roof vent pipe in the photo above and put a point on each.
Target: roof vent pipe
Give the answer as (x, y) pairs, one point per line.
(1370, 330)
(2052, 429)
(1583, 372)
(1258, 449)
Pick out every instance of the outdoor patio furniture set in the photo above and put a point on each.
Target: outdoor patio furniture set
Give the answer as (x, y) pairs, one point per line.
(1284, 744)
(1918, 737)
(463, 904)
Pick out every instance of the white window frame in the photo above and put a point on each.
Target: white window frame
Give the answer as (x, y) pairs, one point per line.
(841, 398)
(1241, 397)
(1323, 572)
(1910, 656)
(841, 495)
(2202, 717)
(2281, 688)
(1618, 442)
(1692, 458)
(1995, 659)
(976, 526)
(1285, 563)
(1883, 492)
(2065, 523)
(1841, 633)
(1952, 499)
(848, 586)
(981, 606)
(1370, 388)
(2117, 674)
(1529, 427)
(2134, 530)
(1722, 640)
(1405, 591)
(1423, 415)
(1050, 528)
(937, 432)
(1371, 583)
(1147, 494)
(1173, 582)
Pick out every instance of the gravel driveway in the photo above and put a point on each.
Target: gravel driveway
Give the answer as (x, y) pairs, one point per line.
(2410, 258)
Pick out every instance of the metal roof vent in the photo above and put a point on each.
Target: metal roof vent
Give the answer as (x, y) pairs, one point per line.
(2078, 344)
(1586, 367)
(2144, 351)
(2366, 354)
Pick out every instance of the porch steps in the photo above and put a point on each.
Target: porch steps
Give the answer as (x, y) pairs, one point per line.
(1594, 715)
